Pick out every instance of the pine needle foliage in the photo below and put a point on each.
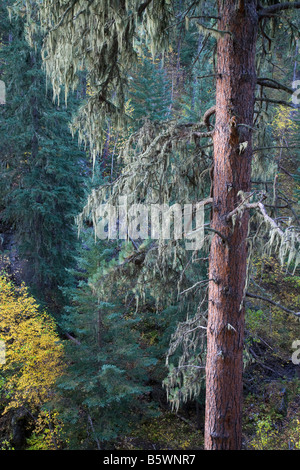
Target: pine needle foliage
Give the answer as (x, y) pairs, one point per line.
(104, 390)
(42, 167)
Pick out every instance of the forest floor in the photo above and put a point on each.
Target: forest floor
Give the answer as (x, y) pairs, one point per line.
(271, 415)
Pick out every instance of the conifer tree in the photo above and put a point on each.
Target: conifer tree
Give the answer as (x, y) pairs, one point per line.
(103, 393)
(151, 91)
(42, 166)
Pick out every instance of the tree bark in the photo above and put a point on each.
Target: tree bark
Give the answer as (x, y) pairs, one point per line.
(235, 97)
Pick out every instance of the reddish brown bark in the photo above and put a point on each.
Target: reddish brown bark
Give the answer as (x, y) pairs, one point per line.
(236, 81)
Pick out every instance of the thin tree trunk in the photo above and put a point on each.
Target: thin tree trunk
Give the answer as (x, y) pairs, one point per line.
(236, 79)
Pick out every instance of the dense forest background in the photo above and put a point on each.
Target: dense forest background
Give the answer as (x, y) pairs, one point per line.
(102, 343)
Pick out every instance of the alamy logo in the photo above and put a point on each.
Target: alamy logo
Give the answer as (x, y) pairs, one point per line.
(296, 354)
(296, 94)
(155, 221)
(2, 92)
(2, 352)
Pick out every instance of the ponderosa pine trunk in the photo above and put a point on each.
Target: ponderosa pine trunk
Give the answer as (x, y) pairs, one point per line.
(235, 94)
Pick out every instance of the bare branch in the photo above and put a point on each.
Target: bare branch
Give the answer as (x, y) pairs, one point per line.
(195, 285)
(143, 7)
(265, 299)
(207, 116)
(273, 9)
(261, 207)
(63, 16)
(206, 76)
(270, 83)
(225, 240)
(288, 240)
(205, 17)
(76, 341)
(285, 171)
(237, 209)
(269, 100)
(259, 149)
(263, 365)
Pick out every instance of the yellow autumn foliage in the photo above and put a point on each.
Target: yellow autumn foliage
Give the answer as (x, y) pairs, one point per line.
(33, 351)
(283, 122)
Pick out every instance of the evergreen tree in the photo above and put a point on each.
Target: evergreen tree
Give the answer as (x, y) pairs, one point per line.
(150, 94)
(42, 167)
(104, 391)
